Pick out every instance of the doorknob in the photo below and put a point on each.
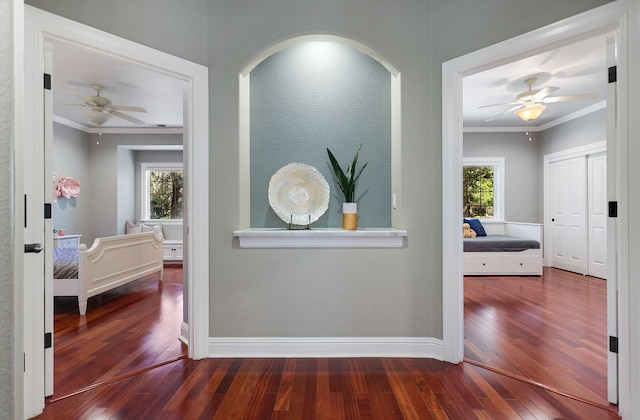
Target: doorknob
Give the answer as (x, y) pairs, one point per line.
(35, 248)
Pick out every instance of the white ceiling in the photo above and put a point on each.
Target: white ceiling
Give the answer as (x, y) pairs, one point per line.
(575, 69)
(75, 69)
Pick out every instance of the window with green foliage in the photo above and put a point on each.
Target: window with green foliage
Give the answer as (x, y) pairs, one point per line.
(477, 191)
(482, 192)
(163, 189)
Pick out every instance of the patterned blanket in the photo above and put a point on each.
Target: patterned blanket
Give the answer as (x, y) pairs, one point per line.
(65, 263)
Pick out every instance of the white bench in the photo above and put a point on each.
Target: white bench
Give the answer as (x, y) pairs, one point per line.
(172, 244)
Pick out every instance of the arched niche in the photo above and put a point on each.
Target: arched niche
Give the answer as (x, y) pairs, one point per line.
(304, 95)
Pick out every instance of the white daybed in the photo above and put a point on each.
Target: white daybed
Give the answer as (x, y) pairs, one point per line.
(505, 263)
(110, 262)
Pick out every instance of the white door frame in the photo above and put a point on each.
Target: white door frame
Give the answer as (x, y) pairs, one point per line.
(548, 159)
(605, 19)
(40, 26)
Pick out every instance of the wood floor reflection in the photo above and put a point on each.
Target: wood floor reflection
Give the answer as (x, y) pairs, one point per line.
(550, 329)
(125, 330)
(275, 388)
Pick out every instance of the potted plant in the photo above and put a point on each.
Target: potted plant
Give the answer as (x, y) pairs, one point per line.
(347, 183)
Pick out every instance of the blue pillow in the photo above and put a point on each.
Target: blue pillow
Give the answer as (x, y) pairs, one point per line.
(476, 226)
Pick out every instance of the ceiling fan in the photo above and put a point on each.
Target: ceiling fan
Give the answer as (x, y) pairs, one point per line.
(102, 109)
(529, 104)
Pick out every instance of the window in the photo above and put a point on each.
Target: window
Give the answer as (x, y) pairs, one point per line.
(162, 189)
(483, 188)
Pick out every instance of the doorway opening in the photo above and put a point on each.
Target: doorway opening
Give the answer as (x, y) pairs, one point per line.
(564, 33)
(42, 27)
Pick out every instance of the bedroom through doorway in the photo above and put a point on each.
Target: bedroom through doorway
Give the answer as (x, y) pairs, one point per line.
(453, 74)
(41, 30)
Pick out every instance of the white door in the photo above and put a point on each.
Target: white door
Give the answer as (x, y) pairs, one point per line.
(38, 235)
(597, 215)
(47, 164)
(568, 214)
(613, 156)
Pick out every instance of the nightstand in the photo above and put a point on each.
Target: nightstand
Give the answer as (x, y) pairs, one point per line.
(66, 241)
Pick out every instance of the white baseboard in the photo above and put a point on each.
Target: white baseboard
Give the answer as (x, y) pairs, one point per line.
(184, 333)
(423, 347)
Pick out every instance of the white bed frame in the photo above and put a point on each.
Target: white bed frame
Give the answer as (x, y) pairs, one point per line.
(112, 262)
(523, 263)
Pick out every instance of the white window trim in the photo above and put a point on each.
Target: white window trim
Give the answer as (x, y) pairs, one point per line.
(499, 175)
(145, 168)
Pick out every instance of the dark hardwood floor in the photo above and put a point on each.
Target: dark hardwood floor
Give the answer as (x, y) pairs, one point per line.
(318, 388)
(550, 329)
(126, 329)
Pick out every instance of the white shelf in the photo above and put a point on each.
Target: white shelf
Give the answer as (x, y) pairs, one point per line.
(320, 238)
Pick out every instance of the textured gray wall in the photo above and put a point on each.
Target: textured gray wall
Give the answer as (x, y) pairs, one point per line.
(7, 330)
(304, 100)
(522, 166)
(302, 292)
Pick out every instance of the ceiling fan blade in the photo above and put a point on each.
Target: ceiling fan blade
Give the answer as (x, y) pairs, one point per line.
(508, 111)
(570, 98)
(504, 103)
(543, 93)
(126, 117)
(127, 108)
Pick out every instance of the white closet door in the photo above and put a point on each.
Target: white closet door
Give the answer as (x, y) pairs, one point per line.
(568, 214)
(597, 209)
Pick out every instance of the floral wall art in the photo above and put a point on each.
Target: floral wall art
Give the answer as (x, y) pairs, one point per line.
(65, 186)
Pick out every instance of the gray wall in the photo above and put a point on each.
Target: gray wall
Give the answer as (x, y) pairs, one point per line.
(302, 292)
(105, 178)
(8, 344)
(524, 159)
(523, 167)
(126, 195)
(109, 178)
(70, 158)
(589, 129)
(308, 98)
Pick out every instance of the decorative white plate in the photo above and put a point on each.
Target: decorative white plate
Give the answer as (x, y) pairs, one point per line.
(299, 194)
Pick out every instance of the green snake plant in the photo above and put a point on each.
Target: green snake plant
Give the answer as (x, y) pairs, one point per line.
(347, 181)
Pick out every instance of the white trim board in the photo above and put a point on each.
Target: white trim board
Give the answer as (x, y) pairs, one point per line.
(610, 18)
(239, 347)
(41, 26)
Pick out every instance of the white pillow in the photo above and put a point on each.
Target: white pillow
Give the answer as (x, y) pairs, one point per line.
(132, 228)
(157, 229)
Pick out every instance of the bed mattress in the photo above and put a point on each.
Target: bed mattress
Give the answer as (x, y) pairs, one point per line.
(65, 263)
(499, 243)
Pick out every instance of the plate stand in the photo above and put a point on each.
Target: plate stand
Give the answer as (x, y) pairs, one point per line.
(291, 226)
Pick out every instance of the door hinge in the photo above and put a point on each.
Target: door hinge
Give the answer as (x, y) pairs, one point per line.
(47, 210)
(613, 344)
(48, 340)
(47, 81)
(613, 74)
(613, 209)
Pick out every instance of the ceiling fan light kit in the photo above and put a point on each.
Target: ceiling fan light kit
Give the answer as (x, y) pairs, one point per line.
(529, 104)
(102, 110)
(530, 111)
